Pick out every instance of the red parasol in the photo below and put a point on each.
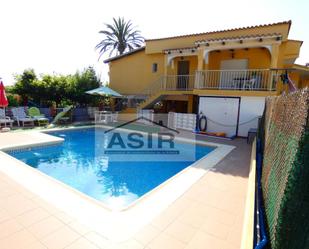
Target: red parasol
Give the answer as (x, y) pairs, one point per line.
(3, 99)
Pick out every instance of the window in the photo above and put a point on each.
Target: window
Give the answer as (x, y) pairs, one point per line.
(154, 67)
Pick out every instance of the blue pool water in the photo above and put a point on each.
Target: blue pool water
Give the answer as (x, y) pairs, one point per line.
(77, 163)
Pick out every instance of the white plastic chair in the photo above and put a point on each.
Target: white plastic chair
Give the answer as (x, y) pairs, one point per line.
(103, 117)
(5, 119)
(253, 83)
(249, 84)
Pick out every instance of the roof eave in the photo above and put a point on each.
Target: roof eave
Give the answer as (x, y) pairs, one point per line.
(124, 55)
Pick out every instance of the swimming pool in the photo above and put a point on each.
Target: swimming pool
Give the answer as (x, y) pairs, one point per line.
(77, 163)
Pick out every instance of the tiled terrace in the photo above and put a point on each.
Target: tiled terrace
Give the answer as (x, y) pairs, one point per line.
(208, 215)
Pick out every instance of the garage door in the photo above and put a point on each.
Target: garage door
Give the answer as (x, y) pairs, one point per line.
(251, 109)
(221, 113)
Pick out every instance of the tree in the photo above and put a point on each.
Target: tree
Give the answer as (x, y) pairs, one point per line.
(81, 82)
(25, 84)
(120, 36)
(59, 89)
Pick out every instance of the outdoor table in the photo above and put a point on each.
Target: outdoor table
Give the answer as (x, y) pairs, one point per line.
(240, 82)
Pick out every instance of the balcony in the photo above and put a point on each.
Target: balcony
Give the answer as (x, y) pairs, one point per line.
(238, 80)
(260, 81)
(251, 80)
(171, 83)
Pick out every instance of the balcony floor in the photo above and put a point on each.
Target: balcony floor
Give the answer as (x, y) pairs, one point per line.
(222, 92)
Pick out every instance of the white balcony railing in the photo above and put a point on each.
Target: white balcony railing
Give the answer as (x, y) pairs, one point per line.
(171, 83)
(179, 82)
(249, 80)
(255, 80)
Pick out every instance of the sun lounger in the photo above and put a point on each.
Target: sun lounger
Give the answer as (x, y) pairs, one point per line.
(5, 119)
(37, 116)
(21, 117)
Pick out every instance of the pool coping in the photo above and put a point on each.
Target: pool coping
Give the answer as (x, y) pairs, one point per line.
(51, 140)
(146, 207)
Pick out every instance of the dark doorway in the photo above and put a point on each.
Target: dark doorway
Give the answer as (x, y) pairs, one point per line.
(176, 106)
(195, 104)
(183, 71)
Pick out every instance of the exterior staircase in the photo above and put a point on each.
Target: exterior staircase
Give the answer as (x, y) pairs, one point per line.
(163, 86)
(151, 100)
(167, 85)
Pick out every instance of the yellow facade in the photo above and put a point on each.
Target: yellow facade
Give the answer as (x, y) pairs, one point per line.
(265, 47)
(173, 69)
(263, 55)
(132, 74)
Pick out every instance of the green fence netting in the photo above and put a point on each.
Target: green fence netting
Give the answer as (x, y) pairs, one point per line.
(284, 133)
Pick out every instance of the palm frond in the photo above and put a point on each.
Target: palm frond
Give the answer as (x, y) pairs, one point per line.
(119, 37)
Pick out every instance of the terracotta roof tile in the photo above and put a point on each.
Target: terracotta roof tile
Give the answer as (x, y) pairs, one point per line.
(238, 37)
(183, 48)
(220, 31)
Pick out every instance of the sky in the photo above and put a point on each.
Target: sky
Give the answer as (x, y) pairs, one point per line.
(59, 36)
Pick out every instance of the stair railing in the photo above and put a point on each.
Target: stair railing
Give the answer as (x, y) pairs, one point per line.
(168, 83)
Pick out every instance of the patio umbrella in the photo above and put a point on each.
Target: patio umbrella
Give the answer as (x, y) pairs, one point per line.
(3, 99)
(104, 91)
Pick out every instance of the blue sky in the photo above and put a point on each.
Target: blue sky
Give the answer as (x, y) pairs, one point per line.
(59, 35)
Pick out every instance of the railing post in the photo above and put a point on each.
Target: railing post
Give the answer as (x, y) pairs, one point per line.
(272, 79)
(197, 79)
(163, 82)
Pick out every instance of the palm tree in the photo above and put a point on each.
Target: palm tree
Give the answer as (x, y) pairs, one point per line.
(119, 37)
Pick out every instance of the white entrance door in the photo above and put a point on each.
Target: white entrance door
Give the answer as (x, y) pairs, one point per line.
(232, 72)
(221, 114)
